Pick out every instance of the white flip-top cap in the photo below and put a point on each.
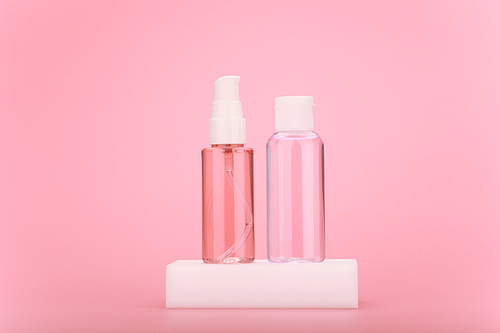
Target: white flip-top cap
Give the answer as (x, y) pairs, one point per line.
(294, 113)
(227, 125)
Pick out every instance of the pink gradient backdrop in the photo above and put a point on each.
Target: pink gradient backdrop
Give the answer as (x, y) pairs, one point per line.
(104, 109)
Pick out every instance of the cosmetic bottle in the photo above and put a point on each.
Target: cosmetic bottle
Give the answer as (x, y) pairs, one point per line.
(227, 181)
(295, 185)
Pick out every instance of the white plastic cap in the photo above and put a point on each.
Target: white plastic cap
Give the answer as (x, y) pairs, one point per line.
(227, 125)
(294, 112)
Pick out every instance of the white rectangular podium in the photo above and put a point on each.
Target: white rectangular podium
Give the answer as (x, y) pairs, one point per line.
(330, 284)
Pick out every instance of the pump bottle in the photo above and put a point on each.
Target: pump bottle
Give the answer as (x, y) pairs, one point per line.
(296, 210)
(227, 181)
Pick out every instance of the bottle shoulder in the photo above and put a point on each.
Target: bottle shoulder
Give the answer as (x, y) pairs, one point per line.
(295, 136)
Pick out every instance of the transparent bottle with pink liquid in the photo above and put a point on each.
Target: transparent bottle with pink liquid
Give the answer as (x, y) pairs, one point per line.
(227, 181)
(295, 185)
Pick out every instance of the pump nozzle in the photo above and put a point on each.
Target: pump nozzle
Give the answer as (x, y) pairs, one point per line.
(227, 125)
(227, 89)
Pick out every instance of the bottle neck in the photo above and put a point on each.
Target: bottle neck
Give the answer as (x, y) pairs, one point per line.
(227, 145)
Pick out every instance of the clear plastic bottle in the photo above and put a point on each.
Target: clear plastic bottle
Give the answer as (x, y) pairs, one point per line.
(228, 234)
(227, 172)
(295, 185)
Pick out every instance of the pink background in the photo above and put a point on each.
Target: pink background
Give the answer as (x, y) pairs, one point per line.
(104, 109)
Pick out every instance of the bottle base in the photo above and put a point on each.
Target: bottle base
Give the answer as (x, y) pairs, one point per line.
(230, 260)
(283, 260)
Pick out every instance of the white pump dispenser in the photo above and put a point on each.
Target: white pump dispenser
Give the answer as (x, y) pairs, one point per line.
(227, 125)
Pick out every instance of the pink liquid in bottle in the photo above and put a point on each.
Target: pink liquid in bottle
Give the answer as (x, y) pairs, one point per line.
(296, 214)
(228, 233)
